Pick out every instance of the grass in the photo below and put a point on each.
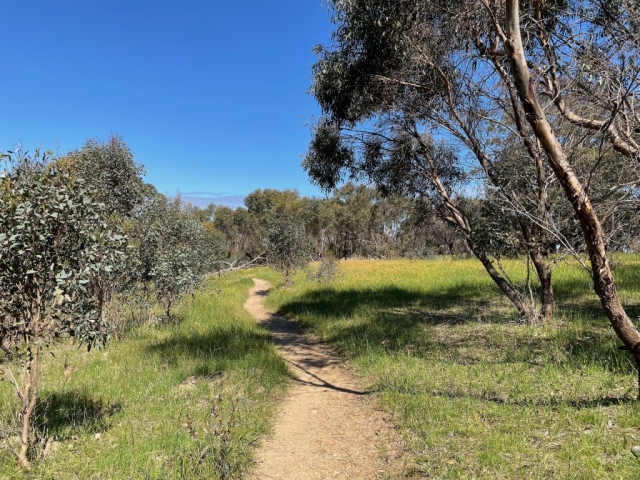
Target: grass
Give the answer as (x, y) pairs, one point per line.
(187, 400)
(476, 393)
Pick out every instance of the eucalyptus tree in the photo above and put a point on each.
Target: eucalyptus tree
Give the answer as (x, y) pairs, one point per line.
(55, 243)
(558, 75)
(110, 169)
(353, 220)
(287, 245)
(392, 92)
(115, 179)
(266, 204)
(320, 220)
(424, 234)
(242, 231)
(175, 250)
(550, 49)
(570, 63)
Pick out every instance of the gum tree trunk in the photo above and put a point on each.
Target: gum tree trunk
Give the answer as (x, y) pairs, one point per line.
(28, 396)
(459, 220)
(543, 273)
(592, 231)
(546, 287)
(511, 293)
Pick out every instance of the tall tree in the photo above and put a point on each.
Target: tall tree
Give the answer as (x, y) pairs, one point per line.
(575, 191)
(558, 76)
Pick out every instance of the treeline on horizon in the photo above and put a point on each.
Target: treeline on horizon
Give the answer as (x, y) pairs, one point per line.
(166, 246)
(357, 221)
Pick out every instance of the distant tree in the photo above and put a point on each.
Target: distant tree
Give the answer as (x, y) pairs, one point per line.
(265, 204)
(287, 245)
(216, 246)
(320, 220)
(215, 241)
(424, 233)
(55, 243)
(242, 231)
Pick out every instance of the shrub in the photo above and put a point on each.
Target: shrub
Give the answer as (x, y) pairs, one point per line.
(55, 247)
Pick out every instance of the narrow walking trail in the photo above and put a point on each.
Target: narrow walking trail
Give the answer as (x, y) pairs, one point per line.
(326, 427)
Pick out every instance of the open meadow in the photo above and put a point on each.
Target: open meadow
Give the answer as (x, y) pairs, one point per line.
(476, 393)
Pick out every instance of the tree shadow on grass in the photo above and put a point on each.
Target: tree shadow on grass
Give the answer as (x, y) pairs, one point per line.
(219, 349)
(71, 413)
(431, 307)
(576, 294)
(552, 403)
(397, 321)
(594, 311)
(220, 343)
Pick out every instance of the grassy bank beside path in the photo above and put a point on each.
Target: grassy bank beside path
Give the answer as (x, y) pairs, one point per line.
(476, 393)
(187, 400)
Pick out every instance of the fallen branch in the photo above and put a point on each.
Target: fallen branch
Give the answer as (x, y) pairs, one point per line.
(232, 266)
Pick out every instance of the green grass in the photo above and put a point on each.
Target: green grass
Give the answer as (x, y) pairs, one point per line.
(476, 393)
(187, 400)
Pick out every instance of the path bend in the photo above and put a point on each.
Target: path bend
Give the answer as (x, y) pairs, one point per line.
(327, 426)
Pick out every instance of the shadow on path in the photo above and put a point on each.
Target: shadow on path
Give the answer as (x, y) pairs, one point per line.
(327, 425)
(323, 383)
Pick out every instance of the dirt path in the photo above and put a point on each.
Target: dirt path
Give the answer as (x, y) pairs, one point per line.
(327, 427)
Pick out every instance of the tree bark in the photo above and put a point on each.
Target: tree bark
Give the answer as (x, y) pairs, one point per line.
(547, 301)
(511, 293)
(546, 286)
(29, 397)
(592, 231)
(459, 220)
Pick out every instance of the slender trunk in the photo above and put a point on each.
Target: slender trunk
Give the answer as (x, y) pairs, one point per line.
(168, 304)
(29, 396)
(592, 231)
(546, 287)
(543, 273)
(459, 220)
(511, 293)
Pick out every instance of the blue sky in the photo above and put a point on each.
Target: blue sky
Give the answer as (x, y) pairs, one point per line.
(210, 96)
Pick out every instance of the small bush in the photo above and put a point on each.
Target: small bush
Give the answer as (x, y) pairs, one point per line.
(327, 271)
(287, 245)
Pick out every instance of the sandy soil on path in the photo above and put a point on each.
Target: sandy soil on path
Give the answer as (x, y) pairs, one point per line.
(327, 426)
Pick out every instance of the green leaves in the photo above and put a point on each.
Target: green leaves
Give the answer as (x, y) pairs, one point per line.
(173, 253)
(287, 244)
(55, 253)
(111, 175)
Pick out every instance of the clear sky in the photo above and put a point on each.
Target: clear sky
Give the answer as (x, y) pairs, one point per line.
(209, 95)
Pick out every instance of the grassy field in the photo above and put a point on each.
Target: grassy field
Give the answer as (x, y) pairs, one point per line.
(476, 393)
(187, 400)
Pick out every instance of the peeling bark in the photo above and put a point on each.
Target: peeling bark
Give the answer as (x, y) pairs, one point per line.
(592, 230)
